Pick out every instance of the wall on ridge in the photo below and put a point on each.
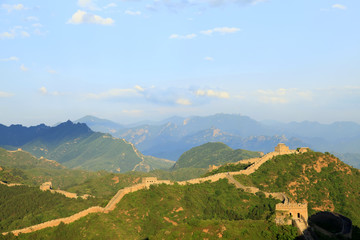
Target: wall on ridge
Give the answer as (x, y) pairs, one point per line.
(56, 222)
(10, 184)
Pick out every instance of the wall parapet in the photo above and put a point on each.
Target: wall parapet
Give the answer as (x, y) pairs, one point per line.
(146, 183)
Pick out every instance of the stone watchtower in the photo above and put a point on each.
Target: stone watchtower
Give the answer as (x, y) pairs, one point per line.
(46, 186)
(149, 180)
(282, 148)
(286, 212)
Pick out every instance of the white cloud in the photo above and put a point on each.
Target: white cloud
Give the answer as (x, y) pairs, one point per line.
(25, 34)
(132, 13)
(84, 17)
(37, 25)
(283, 95)
(5, 94)
(257, 1)
(212, 93)
(31, 19)
(114, 93)
(9, 59)
(39, 32)
(10, 8)
(269, 96)
(52, 71)
(8, 35)
(222, 30)
(140, 89)
(23, 68)
(339, 6)
(14, 32)
(183, 101)
(43, 90)
(110, 5)
(178, 5)
(208, 58)
(176, 36)
(88, 4)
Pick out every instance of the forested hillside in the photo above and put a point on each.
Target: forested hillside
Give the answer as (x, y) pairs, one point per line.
(23, 206)
(319, 179)
(208, 210)
(77, 146)
(212, 154)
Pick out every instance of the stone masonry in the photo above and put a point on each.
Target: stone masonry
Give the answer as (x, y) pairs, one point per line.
(284, 210)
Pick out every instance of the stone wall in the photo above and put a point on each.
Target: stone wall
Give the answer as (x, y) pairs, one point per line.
(10, 184)
(149, 179)
(282, 208)
(122, 192)
(280, 149)
(286, 212)
(56, 222)
(47, 186)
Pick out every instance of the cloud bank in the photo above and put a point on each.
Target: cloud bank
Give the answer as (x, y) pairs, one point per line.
(83, 17)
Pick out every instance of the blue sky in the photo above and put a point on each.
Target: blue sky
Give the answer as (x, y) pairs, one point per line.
(133, 60)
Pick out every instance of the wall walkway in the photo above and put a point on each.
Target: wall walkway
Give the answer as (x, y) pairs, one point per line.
(122, 192)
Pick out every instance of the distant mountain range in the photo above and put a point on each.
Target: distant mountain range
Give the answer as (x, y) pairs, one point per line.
(172, 137)
(77, 146)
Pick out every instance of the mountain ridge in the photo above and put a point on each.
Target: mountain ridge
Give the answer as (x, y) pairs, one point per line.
(173, 136)
(75, 145)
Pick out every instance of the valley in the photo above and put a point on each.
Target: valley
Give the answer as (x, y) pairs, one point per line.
(171, 137)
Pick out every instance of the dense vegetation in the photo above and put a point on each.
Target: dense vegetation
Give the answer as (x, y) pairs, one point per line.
(77, 146)
(22, 167)
(212, 154)
(180, 174)
(228, 168)
(24, 160)
(95, 152)
(23, 206)
(105, 185)
(206, 210)
(320, 179)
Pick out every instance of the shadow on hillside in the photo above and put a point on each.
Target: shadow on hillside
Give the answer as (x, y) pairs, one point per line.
(355, 232)
(316, 236)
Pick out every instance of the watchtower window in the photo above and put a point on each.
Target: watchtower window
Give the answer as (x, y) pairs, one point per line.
(290, 214)
(298, 215)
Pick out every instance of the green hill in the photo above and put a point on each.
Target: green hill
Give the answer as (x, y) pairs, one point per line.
(23, 206)
(22, 167)
(24, 160)
(211, 210)
(207, 210)
(212, 154)
(319, 179)
(96, 152)
(77, 146)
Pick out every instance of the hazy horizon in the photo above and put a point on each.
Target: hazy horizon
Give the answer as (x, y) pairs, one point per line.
(130, 61)
(155, 121)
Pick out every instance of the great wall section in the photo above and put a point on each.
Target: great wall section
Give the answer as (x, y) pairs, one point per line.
(295, 212)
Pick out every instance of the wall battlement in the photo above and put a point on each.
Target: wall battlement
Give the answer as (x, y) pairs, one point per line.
(280, 149)
(47, 186)
(149, 180)
(287, 212)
